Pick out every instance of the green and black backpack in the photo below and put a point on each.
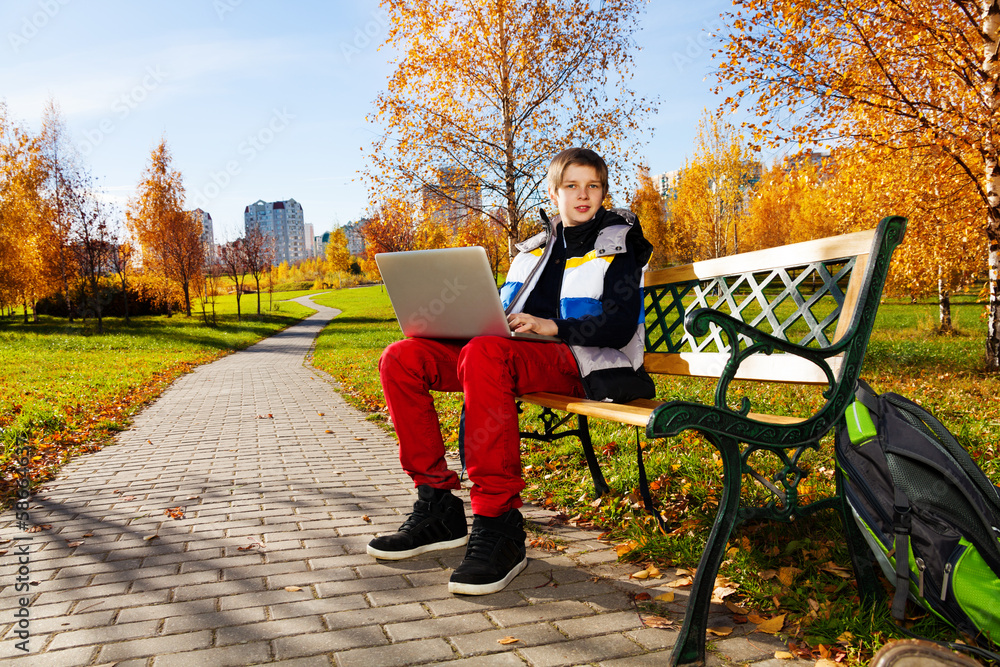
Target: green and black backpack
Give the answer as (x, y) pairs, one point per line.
(914, 490)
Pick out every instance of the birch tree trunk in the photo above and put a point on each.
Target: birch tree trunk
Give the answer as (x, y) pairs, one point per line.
(991, 148)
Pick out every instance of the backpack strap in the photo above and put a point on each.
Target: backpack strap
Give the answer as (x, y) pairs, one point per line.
(901, 524)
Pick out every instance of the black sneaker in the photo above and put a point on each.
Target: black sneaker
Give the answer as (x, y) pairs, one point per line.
(495, 555)
(437, 522)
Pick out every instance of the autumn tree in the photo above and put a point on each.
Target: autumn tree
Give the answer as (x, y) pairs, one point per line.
(170, 238)
(64, 185)
(794, 201)
(122, 260)
(713, 190)
(91, 242)
(921, 76)
(233, 261)
(483, 231)
(390, 229)
(21, 203)
(258, 253)
(648, 206)
(492, 89)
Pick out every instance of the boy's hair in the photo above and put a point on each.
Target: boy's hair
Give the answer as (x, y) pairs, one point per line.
(580, 156)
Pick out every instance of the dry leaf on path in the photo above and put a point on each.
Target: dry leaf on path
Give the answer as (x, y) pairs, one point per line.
(736, 609)
(293, 589)
(71, 545)
(783, 655)
(366, 518)
(174, 512)
(658, 622)
(149, 537)
(666, 597)
(128, 498)
(723, 631)
(772, 626)
(680, 583)
(39, 528)
(508, 640)
(622, 549)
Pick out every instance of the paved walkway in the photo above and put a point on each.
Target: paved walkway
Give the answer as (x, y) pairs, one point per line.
(228, 527)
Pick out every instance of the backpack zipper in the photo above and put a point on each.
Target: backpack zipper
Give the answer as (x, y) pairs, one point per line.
(944, 584)
(921, 566)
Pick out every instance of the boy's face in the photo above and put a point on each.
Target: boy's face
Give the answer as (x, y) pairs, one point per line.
(579, 196)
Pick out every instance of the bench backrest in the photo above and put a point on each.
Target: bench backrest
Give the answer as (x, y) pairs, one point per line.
(809, 294)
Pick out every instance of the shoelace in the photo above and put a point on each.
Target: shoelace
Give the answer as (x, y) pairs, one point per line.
(482, 543)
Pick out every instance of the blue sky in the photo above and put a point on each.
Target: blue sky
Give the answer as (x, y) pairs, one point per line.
(267, 100)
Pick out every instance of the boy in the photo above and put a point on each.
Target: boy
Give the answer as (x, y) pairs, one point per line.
(578, 280)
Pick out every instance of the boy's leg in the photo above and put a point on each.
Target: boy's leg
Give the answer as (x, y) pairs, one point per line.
(409, 370)
(494, 370)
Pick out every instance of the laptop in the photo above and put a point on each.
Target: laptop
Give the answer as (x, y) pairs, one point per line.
(446, 293)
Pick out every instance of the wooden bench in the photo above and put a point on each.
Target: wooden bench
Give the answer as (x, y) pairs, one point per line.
(799, 314)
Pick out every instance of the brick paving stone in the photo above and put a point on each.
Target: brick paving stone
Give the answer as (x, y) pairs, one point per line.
(396, 655)
(155, 646)
(328, 642)
(276, 502)
(581, 651)
(437, 627)
(537, 634)
(502, 660)
(213, 619)
(539, 613)
(237, 656)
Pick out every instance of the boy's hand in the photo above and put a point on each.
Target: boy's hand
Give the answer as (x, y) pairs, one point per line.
(522, 322)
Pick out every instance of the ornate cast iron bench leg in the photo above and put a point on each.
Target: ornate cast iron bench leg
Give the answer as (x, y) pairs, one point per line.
(690, 647)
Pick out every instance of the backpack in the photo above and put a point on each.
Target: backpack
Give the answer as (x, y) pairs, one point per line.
(913, 489)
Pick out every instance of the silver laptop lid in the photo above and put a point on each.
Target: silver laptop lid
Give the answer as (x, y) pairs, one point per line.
(443, 293)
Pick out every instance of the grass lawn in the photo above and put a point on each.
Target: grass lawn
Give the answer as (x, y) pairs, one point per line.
(65, 389)
(796, 570)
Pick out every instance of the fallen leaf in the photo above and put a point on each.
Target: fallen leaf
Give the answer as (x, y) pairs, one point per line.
(772, 626)
(2, 552)
(680, 583)
(128, 498)
(71, 545)
(88, 534)
(681, 572)
(786, 575)
(833, 568)
(366, 518)
(783, 655)
(641, 574)
(642, 597)
(622, 549)
(293, 589)
(666, 597)
(508, 640)
(359, 438)
(174, 512)
(149, 537)
(723, 631)
(328, 431)
(768, 574)
(658, 622)
(813, 604)
(321, 413)
(39, 528)
(721, 592)
(736, 609)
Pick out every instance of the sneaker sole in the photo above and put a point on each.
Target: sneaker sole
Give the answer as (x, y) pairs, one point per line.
(486, 589)
(416, 551)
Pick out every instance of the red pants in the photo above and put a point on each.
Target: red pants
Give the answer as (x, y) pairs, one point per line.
(491, 370)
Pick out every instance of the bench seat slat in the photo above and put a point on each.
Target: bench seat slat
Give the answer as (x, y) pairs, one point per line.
(768, 368)
(635, 413)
